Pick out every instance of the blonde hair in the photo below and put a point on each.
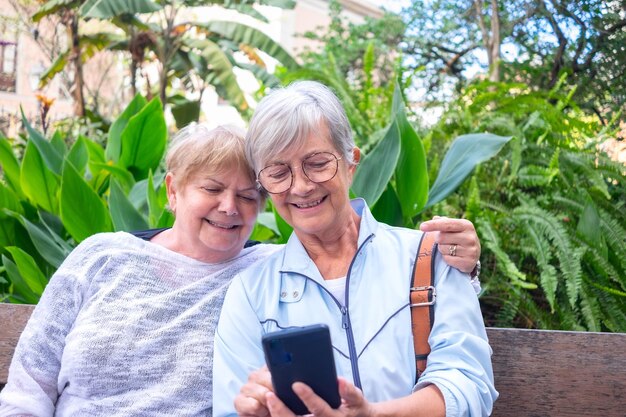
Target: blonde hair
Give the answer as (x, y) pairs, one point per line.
(197, 148)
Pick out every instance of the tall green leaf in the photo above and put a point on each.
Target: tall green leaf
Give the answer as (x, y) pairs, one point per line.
(124, 215)
(10, 166)
(29, 271)
(219, 72)
(107, 9)
(284, 227)
(56, 67)
(53, 249)
(157, 199)
(9, 200)
(376, 168)
(245, 34)
(58, 143)
(589, 228)
(20, 287)
(144, 140)
(411, 172)
(78, 155)
(39, 184)
(464, 154)
(126, 178)
(53, 6)
(388, 209)
(114, 144)
(184, 111)
(9, 204)
(49, 152)
(83, 213)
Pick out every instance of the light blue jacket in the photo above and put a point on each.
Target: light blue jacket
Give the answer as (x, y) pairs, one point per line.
(371, 336)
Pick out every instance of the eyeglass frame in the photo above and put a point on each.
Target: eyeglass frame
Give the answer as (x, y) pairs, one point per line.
(337, 159)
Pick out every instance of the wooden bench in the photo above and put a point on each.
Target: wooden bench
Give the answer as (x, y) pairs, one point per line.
(538, 373)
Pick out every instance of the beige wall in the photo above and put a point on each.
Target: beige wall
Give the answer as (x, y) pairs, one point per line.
(30, 60)
(310, 15)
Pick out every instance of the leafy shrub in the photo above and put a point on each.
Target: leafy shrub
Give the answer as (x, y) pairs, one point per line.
(53, 197)
(549, 210)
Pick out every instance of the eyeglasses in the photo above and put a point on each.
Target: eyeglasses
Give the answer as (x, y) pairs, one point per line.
(319, 167)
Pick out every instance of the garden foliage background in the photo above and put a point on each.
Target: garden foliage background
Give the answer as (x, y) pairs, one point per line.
(516, 148)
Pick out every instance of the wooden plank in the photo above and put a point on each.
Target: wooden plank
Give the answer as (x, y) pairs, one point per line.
(554, 373)
(13, 318)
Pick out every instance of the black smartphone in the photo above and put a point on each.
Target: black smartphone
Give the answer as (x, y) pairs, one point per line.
(302, 354)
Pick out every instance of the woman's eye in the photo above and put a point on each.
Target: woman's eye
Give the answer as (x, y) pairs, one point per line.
(278, 174)
(211, 190)
(317, 165)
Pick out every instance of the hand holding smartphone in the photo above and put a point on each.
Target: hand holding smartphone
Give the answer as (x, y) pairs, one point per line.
(302, 354)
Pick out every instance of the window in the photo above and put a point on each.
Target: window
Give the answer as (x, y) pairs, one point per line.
(8, 59)
(8, 53)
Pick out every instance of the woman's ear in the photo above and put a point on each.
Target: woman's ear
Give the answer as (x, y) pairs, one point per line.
(356, 157)
(170, 185)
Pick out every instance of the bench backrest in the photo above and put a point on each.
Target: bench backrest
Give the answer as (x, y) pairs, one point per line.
(559, 374)
(538, 373)
(13, 318)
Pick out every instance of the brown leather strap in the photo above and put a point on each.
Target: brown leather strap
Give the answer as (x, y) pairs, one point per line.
(422, 299)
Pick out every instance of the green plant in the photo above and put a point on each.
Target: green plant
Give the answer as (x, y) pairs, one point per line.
(549, 210)
(54, 197)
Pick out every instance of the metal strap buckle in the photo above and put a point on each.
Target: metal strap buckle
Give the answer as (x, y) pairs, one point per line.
(433, 294)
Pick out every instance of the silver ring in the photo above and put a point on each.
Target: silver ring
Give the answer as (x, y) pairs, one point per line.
(452, 251)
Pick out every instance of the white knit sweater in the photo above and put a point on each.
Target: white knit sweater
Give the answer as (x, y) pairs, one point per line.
(124, 328)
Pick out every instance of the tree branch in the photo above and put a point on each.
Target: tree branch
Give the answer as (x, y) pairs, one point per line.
(558, 57)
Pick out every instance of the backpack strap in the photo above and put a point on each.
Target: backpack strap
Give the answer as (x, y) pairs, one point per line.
(422, 299)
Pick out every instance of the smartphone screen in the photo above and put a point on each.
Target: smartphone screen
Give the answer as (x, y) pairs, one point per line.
(302, 354)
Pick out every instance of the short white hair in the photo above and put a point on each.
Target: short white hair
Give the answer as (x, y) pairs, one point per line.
(286, 117)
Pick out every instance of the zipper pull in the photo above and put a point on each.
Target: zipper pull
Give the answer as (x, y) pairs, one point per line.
(344, 317)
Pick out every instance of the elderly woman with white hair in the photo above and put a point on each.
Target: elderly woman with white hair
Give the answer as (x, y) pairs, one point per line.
(342, 268)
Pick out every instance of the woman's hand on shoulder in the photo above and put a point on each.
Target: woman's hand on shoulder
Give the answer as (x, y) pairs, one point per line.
(458, 241)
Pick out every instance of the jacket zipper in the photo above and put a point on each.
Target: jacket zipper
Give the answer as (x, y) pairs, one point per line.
(345, 322)
(345, 316)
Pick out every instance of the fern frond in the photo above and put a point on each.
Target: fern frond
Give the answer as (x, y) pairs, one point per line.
(549, 226)
(534, 176)
(584, 166)
(591, 311)
(614, 310)
(505, 264)
(615, 236)
(547, 273)
(602, 267)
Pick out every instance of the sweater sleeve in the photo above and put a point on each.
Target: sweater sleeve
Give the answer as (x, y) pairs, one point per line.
(32, 387)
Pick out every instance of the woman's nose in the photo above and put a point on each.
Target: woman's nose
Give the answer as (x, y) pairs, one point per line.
(301, 183)
(228, 205)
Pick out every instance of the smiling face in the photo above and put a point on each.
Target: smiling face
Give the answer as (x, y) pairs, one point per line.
(317, 210)
(215, 213)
